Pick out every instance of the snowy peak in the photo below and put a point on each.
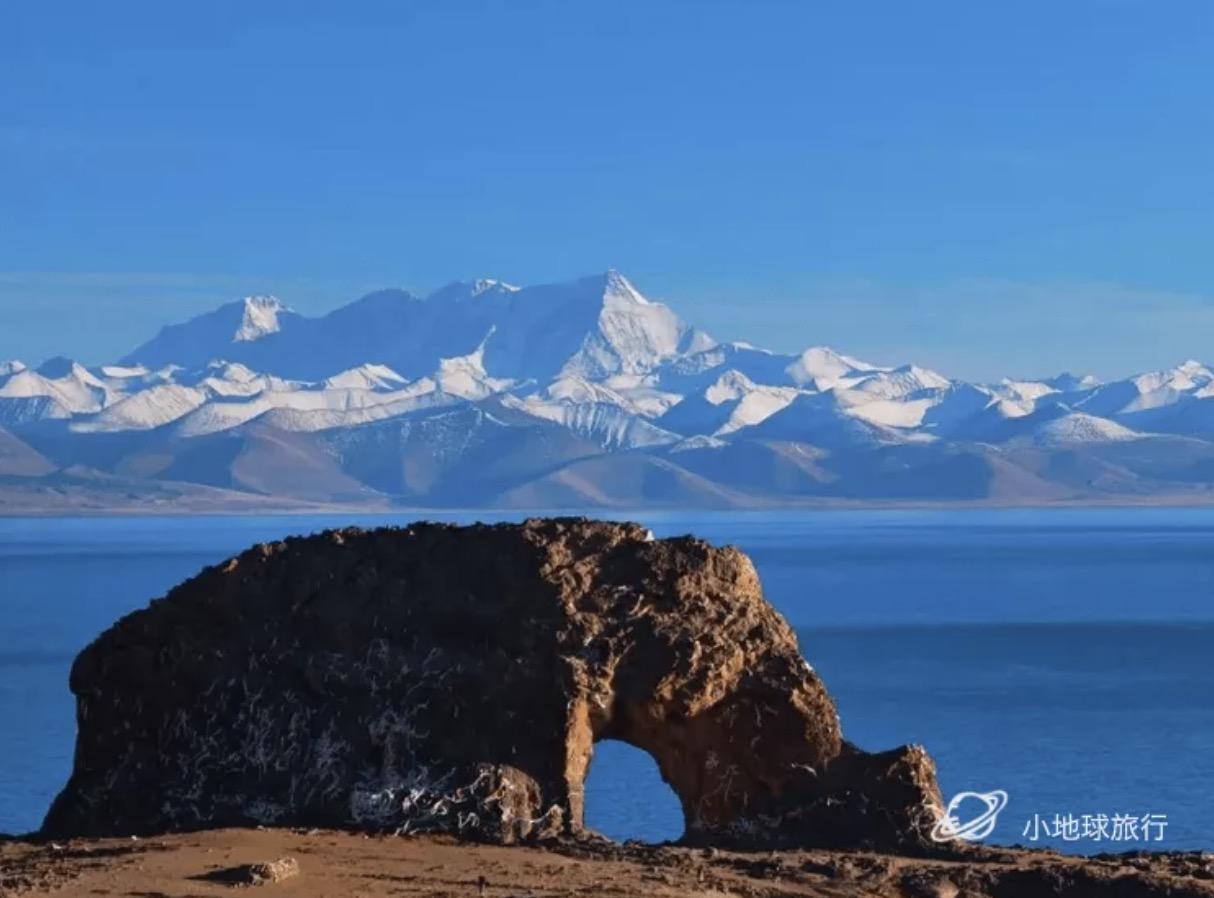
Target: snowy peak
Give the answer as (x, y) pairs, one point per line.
(231, 331)
(259, 318)
(61, 368)
(367, 377)
(1066, 382)
(900, 383)
(481, 286)
(231, 371)
(729, 386)
(631, 334)
(59, 388)
(731, 403)
(1068, 428)
(821, 420)
(823, 368)
(618, 289)
(1184, 377)
(468, 290)
(465, 376)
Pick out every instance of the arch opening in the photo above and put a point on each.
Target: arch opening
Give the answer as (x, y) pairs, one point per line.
(626, 797)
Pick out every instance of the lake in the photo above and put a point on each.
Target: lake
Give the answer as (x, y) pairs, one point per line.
(1059, 655)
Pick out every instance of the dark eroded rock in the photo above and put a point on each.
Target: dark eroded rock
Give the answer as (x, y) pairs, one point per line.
(455, 679)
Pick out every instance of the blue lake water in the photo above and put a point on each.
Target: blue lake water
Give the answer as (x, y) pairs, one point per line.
(1060, 655)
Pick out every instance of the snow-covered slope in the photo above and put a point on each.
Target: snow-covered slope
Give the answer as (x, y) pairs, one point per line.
(1061, 427)
(145, 410)
(1144, 392)
(695, 370)
(607, 424)
(465, 376)
(729, 404)
(821, 420)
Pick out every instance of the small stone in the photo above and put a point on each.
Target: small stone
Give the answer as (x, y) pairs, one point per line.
(272, 871)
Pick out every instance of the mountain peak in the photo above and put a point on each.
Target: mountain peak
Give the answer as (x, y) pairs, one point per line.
(733, 384)
(222, 369)
(925, 377)
(232, 329)
(1067, 382)
(484, 285)
(260, 318)
(61, 367)
(824, 367)
(616, 286)
(465, 375)
(367, 376)
(465, 290)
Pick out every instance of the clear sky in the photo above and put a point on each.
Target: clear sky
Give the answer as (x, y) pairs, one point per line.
(986, 188)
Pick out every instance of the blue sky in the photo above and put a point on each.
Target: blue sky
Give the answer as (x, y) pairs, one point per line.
(986, 188)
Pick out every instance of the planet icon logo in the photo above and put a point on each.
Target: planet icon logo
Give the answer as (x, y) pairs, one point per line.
(950, 826)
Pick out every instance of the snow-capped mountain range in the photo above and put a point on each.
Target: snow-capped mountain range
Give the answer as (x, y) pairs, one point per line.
(566, 395)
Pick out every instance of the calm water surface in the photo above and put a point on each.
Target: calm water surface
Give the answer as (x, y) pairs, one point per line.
(1060, 655)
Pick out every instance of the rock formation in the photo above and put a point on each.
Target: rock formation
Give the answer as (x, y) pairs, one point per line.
(455, 679)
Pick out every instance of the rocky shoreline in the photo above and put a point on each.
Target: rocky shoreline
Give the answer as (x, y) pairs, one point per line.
(336, 863)
(385, 711)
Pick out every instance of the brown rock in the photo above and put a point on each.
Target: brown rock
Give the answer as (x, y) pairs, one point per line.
(273, 871)
(258, 874)
(455, 679)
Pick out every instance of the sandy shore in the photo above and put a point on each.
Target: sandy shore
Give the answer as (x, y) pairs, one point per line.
(196, 865)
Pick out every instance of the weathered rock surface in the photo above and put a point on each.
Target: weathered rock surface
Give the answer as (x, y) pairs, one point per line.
(269, 872)
(455, 679)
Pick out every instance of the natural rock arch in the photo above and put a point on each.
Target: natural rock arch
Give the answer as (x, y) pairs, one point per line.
(626, 797)
(449, 678)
